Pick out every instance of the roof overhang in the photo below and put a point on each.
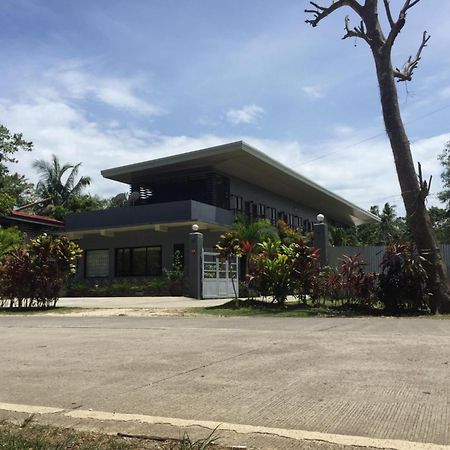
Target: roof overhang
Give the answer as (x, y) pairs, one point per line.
(240, 160)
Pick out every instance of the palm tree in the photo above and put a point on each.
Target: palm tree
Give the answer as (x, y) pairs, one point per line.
(54, 185)
(250, 233)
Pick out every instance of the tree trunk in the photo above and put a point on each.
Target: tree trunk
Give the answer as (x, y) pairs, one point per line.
(413, 197)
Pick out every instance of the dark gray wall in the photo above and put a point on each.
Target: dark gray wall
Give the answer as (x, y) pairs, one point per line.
(181, 211)
(143, 238)
(253, 193)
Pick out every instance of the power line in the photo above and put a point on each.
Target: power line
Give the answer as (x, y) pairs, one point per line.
(381, 199)
(371, 137)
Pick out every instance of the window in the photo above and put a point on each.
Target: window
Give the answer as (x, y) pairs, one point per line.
(290, 220)
(254, 211)
(283, 216)
(248, 208)
(138, 261)
(178, 251)
(96, 263)
(261, 211)
(273, 217)
(238, 203)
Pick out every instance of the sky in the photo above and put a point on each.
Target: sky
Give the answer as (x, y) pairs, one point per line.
(114, 82)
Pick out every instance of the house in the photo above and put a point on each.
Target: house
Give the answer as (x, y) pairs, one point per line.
(31, 224)
(206, 187)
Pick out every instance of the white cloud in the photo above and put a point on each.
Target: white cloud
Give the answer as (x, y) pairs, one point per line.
(314, 91)
(364, 173)
(248, 114)
(70, 80)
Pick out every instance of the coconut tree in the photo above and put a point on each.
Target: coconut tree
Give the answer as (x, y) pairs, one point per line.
(59, 184)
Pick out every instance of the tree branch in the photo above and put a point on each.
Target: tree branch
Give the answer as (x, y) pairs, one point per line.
(359, 32)
(387, 7)
(407, 71)
(320, 12)
(397, 26)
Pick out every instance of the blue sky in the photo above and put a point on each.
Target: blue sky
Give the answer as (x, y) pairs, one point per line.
(110, 82)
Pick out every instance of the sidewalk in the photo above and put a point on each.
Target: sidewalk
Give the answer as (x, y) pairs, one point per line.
(137, 302)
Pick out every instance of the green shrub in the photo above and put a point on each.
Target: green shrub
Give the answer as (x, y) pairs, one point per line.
(402, 281)
(127, 287)
(10, 239)
(176, 272)
(34, 274)
(281, 269)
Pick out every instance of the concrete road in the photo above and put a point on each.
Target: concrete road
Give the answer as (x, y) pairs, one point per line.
(380, 378)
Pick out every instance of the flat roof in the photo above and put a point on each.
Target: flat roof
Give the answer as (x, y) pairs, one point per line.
(240, 160)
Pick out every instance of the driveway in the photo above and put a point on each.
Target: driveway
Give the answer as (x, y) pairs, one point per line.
(374, 382)
(137, 302)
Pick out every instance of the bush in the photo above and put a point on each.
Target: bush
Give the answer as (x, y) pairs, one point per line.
(357, 284)
(281, 269)
(348, 282)
(402, 281)
(130, 288)
(34, 274)
(10, 239)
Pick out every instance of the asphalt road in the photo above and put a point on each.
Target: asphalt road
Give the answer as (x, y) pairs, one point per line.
(382, 378)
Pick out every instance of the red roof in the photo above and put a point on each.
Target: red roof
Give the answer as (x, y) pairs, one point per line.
(35, 218)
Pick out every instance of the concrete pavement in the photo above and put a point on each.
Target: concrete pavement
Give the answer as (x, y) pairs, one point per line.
(137, 302)
(370, 380)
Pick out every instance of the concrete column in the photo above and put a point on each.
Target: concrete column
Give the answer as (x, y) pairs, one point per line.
(321, 241)
(195, 265)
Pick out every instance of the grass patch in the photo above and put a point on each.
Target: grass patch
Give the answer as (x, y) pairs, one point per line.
(40, 437)
(31, 436)
(38, 311)
(252, 307)
(264, 308)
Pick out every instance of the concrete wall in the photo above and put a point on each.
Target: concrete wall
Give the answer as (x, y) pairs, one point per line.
(372, 255)
(143, 238)
(180, 211)
(256, 194)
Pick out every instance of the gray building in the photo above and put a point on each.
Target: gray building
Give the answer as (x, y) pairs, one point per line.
(206, 187)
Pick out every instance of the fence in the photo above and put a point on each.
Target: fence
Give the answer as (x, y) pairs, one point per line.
(372, 255)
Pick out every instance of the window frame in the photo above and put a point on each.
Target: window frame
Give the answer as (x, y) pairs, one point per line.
(130, 261)
(85, 260)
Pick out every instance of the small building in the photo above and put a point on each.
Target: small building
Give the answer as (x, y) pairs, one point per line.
(31, 224)
(205, 187)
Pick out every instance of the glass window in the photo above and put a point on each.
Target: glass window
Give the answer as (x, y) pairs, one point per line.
(261, 211)
(273, 219)
(178, 252)
(138, 261)
(154, 261)
(96, 263)
(238, 203)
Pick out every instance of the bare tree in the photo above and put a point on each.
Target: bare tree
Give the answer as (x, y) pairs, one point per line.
(414, 189)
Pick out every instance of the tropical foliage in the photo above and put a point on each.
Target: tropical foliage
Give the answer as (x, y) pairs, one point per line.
(33, 274)
(286, 264)
(402, 281)
(444, 158)
(348, 282)
(59, 186)
(14, 188)
(279, 269)
(391, 228)
(10, 239)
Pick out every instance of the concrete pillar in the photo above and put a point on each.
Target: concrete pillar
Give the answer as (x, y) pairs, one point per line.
(321, 241)
(195, 265)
